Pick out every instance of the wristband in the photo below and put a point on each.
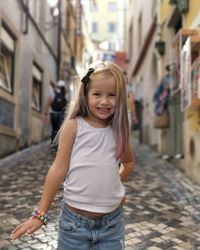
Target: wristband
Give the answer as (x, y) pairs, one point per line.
(40, 216)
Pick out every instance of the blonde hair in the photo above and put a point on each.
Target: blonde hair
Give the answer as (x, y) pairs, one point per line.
(119, 121)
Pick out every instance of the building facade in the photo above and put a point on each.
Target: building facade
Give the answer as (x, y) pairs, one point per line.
(165, 35)
(39, 44)
(28, 65)
(106, 22)
(143, 69)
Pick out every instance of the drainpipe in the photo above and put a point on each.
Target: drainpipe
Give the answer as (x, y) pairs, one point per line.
(159, 60)
(59, 40)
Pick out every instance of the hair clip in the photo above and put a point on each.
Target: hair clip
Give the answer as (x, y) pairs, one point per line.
(86, 78)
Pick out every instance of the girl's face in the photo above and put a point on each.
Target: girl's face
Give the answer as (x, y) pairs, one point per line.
(102, 99)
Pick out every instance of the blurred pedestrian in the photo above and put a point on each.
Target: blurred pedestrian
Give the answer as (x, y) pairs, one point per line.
(88, 157)
(55, 108)
(162, 99)
(162, 93)
(132, 117)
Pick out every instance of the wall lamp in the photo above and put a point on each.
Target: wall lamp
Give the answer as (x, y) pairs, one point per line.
(160, 46)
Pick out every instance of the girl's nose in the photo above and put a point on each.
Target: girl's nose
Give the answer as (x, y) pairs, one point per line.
(104, 99)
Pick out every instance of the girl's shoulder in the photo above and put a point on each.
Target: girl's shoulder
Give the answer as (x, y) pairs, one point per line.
(70, 125)
(67, 134)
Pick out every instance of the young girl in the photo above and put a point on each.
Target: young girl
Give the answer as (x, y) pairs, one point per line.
(93, 141)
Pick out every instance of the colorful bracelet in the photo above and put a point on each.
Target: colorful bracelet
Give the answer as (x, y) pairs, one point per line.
(40, 216)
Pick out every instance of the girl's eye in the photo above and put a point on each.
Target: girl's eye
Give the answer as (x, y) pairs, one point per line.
(96, 94)
(112, 94)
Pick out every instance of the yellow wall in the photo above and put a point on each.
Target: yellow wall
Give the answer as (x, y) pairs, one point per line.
(194, 9)
(164, 10)
(191, 127)
(188, 18)
(102, 17)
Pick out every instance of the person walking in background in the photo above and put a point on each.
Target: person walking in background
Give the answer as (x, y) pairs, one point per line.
(132, 117)
(55, 107)
(161, 99)
(162, 93)
(88, 157)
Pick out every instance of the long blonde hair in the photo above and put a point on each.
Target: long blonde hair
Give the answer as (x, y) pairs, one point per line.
(119, 121)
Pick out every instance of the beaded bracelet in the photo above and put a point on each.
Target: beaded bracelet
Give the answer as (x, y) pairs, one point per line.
(40, 216)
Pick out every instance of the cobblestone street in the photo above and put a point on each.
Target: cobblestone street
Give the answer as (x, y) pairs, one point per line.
(162, 209)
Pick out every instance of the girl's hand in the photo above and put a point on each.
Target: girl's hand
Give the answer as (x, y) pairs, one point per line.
(123, 200)
(28, 227)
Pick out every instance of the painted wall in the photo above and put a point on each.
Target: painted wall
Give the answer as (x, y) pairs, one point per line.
(191, 124)
(102, 17)
(192, 114)
(25, 126)
(20, 124)
(146, 77)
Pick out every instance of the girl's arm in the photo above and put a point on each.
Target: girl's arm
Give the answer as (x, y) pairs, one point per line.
(128, 163)
(54, 178)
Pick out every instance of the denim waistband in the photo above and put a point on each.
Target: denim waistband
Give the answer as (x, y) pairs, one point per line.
(104, 218)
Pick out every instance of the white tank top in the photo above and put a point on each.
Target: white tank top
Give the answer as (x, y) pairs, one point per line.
(93, 182)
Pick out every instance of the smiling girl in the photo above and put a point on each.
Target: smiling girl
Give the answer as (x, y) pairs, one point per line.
(93, 140)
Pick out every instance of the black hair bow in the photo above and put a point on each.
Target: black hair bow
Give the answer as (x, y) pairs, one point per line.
(86, 78)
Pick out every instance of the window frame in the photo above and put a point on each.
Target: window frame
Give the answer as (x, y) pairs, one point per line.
(112, 25)
(37, 79)
(10, 49)
(112, 7)
(94, 27)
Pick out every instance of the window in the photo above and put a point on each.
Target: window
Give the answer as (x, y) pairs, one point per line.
(36, 88)
(7, 52)
(112, 27)
(112, 7)
(94, 27)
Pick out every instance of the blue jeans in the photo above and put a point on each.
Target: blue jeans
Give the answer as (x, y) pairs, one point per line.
(77, 232)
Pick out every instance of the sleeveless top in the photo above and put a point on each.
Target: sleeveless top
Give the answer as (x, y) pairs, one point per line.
(93, 182)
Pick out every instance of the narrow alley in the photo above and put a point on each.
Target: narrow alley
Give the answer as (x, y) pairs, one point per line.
(162, 209)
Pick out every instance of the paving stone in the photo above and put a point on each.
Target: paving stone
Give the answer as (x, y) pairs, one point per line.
(4, 243)
(9, 248)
